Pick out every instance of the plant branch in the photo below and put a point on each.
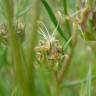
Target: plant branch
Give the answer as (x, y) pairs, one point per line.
(16, 52)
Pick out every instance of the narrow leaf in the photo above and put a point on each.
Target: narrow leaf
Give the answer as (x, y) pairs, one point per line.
(53, 18)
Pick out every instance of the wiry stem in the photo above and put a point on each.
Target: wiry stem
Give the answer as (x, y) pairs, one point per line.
(65, 68)
(67, 23)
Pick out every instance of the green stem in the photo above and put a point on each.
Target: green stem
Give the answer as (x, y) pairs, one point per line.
(68, 29)
(32, 41)
(65, 7)
(65, 68)
(14, 45)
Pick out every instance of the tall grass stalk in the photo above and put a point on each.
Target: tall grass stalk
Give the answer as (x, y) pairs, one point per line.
(65, 68)
(24, 75)
(31, 43)
(89, 81)
(67, 22)
(14, 45)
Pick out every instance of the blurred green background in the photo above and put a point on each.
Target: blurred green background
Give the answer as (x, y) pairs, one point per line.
(36, 40)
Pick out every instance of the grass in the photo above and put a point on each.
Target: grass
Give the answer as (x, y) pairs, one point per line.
(42, 50)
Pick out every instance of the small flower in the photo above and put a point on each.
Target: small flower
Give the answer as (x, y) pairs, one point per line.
(49, 45)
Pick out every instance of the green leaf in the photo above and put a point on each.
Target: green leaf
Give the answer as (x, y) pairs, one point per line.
(53, 18)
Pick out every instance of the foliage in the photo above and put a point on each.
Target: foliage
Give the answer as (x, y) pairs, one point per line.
(47, 50)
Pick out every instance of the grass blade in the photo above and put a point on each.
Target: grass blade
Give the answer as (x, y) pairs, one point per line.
(32, 41)
(53, 18)
(17, 55)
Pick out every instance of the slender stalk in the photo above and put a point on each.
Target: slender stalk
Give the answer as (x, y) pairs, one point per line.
(68, 29)
(32, 41)
(65, 68)
(89, 80)
(65, 7)
(14, 45)
(57, 89)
